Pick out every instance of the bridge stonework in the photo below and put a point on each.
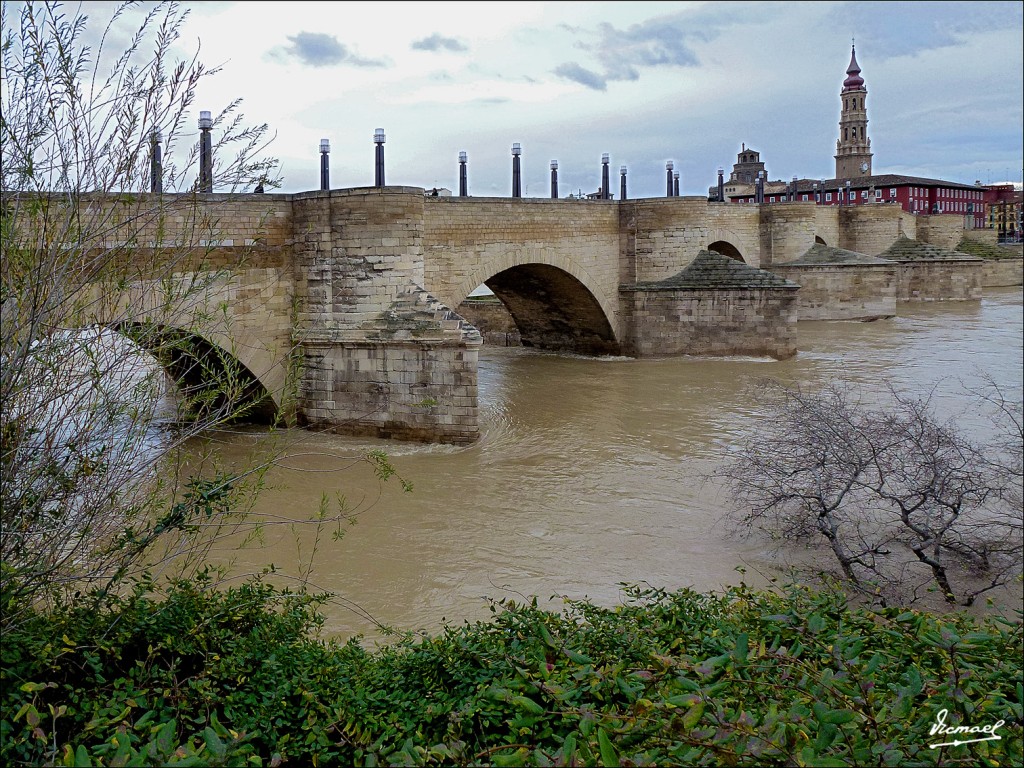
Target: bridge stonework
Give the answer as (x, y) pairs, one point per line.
(355, 291)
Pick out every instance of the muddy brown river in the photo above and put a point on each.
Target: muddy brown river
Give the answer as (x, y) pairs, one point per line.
(588, 473)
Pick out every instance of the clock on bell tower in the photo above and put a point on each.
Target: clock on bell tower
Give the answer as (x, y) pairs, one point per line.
(853, 149)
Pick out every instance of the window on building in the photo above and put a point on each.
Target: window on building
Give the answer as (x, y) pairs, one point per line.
(878, 194)
(863, 194)
(892, 192)
(803, 197)
(828, 197)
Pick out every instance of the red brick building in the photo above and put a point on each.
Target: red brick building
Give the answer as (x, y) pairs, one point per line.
(854, 183)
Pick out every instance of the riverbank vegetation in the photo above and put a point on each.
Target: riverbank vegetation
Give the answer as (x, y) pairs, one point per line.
(907, 504)
(239, 677)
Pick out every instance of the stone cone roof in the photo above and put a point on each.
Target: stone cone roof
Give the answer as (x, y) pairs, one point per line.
(819, 254)
(713, 271)
(905, 249)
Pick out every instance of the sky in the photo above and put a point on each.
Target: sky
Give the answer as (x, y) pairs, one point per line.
(645, 82)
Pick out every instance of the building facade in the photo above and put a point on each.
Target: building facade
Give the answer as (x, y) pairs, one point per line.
(855, 184)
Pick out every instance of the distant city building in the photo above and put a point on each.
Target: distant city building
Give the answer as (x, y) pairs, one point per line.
(1003, 211)
(854, 184)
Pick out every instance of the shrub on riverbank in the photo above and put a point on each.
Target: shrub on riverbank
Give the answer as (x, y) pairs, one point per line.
(240, 678)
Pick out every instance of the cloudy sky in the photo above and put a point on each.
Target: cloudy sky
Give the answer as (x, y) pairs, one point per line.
(642, 81)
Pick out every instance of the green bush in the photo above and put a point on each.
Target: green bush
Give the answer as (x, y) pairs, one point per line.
(241, 677)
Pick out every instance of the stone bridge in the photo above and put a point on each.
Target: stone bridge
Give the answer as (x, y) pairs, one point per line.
(343, 304)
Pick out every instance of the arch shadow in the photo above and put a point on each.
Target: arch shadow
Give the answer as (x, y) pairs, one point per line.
(553, 310)
(727, 249)
(211, 381)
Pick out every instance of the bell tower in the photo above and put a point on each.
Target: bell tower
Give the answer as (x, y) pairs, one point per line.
(853, 149)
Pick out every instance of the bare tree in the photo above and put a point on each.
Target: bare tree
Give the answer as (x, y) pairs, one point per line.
(902, 499)
(89, 479)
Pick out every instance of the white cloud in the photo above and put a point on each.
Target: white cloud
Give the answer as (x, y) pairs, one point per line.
(642, 81)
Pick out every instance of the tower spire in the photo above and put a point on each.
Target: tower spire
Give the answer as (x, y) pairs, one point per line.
(853, 149)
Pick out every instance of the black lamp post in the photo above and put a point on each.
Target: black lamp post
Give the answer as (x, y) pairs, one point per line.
(554, 179)
(605, 192)
(622, 183)
(156, 171)
(463, 185)
(721, 185)
(759, 188)
(675, 184)
(378, 174)
(325, 164)
(205, 152)
(516, 187)
(668, 178)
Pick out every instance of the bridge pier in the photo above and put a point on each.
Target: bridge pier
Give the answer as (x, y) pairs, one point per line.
(380, 355)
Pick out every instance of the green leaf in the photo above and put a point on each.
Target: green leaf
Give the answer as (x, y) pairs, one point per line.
(545, 635)
(524, 702)
(568, 749)
(82, 756)
(693, 716)
(687, 684)
(838, 716)
(213, 742)
(516, 758)
(577, 658)
(609, 757)
(742, 647)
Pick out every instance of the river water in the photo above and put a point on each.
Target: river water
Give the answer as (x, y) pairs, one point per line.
(589, 472)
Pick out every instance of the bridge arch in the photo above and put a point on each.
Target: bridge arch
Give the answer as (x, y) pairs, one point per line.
(237, 324)
(553, 309)
(209, 371)
(556, 303)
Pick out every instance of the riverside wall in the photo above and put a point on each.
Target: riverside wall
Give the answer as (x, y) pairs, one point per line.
(843, 291)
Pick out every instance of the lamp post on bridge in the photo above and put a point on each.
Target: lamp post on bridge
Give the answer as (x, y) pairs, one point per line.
(605, 182)
(325, 164)
(675, 184)
(156, 170)
(668, 178)
(463, 185)
(554, 179)
(516, 183)
(721, 185)
(622, 183)
(205, 152)
(378, 170)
